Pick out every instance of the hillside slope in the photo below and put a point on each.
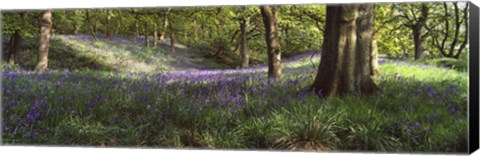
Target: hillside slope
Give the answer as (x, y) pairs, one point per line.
(82, 52)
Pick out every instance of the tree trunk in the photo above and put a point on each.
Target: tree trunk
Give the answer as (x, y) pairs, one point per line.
(374, 71)
(46, 26)
(92, 26)
(147, 41)
(243, 44)
(164, 26)
(465, 40)
(273, 42)
(15, 41)
(107, 25)
(417, 32)
(418, 42)
(172, 39)
(345, 65)
(155, 35)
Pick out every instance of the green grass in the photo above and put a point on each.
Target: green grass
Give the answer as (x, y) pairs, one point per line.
(270, 121)
(419, 108)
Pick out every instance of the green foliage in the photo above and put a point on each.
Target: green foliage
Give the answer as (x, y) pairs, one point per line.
(27, 25)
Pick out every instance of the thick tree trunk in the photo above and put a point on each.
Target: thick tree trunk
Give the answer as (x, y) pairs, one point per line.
(273, 42)
(46, 26)
(417, 32)
(15, 41)
(417, 39)
(345, 65)
(243, 44)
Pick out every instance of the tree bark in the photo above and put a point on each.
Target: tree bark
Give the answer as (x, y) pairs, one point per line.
(374, 70)
(273, 42)
(155, 35)
(147, 41)
(15, 41)
(245, 56)
(92, 25)
(465, 40)
(107, 25)
(172, 39)
(46, 26)
(164, 26)
(417, 39)
(345, 66)
(417, 32)
(137, 31)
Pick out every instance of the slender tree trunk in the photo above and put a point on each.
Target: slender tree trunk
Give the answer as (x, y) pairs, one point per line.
(76, 28)
(137, 31)
(164, 26)
(245, 56)
(345, 65)
(273, 42)
(374, 70)
(46, 26)
(147, 41)
(107, 25)
(287, 30)
(465, 40)
(117, 28)
(172, 39)
(155, 35)
(15, 41)
(92, 25)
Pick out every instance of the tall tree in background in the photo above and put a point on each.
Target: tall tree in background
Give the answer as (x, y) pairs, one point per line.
(440, 36)
(243, 41)
(14, 44)
(155, 34)
(107, 25)
(45, 27)
(92, 23)
(416, 24)
(164, 25)
(172, 38)
(273, 42)
(345, 65)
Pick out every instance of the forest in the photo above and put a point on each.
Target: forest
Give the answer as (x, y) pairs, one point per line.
(386, 77)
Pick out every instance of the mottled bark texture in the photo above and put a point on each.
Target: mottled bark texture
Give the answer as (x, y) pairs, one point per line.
(273, 42)
(345, 66)
(45, 27)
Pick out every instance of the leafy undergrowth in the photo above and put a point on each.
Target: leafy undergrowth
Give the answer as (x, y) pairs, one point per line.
(420, 109)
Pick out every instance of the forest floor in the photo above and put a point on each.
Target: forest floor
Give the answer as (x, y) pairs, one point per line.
(119, 93)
